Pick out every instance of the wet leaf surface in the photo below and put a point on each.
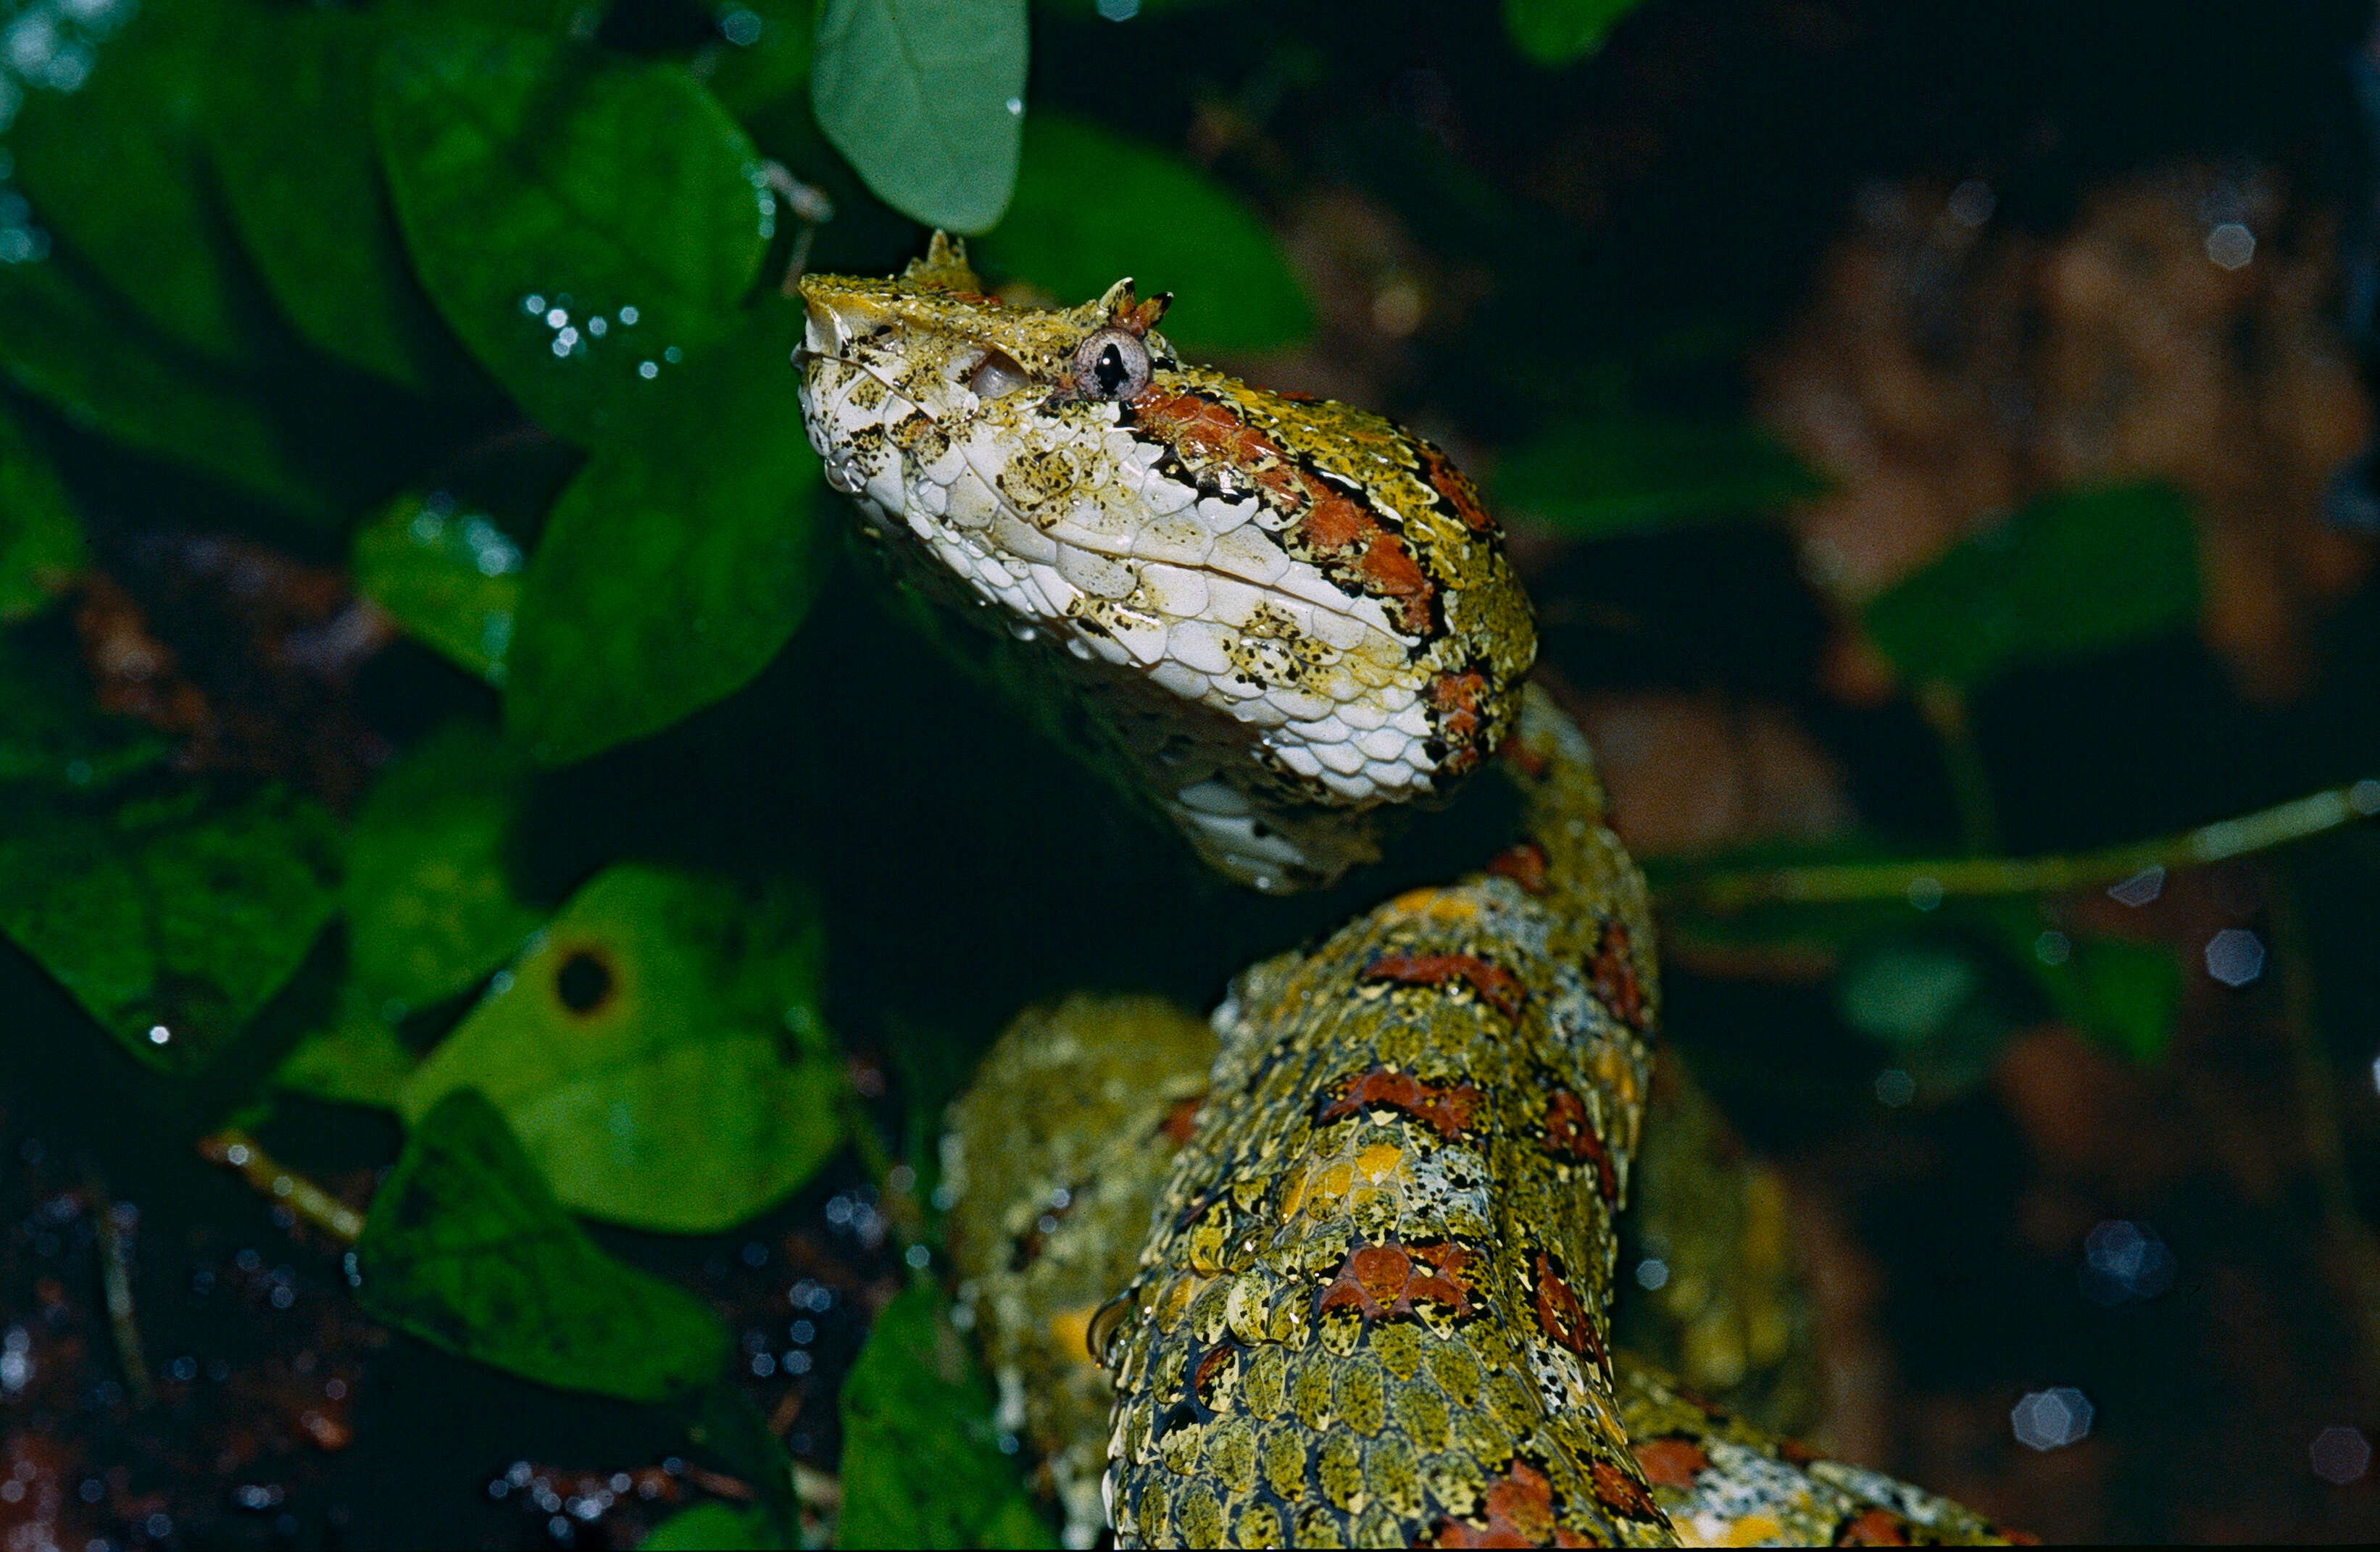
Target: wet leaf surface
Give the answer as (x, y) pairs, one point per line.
(467, 1249)
(583, 222)
(448, 574)
(1092, 205)
(649, 1050)
(681, 558)
(924, 98)
(917, 1409)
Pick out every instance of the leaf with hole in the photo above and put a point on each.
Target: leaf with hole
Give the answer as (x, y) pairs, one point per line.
(466, 1248)
(658, 1050)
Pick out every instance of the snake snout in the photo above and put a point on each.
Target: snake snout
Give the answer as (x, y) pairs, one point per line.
(832, 320)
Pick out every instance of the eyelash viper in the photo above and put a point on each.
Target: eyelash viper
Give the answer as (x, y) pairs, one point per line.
(1370, 1303)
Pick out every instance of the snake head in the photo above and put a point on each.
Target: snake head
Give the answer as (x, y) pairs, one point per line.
(1285, 612)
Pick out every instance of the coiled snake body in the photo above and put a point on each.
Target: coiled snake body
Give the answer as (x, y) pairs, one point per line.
(1369, 1305)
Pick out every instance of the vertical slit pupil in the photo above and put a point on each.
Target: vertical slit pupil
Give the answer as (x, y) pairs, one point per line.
(1110, 371)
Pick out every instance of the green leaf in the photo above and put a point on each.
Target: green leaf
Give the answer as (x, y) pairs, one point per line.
(67, 342)
(922, 1460)
(2072, 573)
(582, 222)
(711, 1527)
(431, 909)
(924, 98)
(678, 563)
(763, 54)
(448, 574)
(1558, 31)
(467, 1249)
(290, 129)
(172, 918)
(358, 1059)
(638, 1047)
(41, 533)
(116, 167)
(1091, 205)
(2125, 995)
(1594, 478)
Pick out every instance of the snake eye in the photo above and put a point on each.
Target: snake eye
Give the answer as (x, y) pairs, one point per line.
(997, 373)
(1111, 364)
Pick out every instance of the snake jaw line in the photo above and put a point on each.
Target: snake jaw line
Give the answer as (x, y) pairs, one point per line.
(1285, 615)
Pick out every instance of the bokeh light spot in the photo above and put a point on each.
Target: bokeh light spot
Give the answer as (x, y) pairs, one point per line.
(2051, 1419)
(2341, 1455)
(2235, 956)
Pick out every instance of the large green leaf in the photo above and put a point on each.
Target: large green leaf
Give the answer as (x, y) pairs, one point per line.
(640, 1049)
(924, 98)
(1091, 205)
(170, 911)
(41, 532)
(290, 129)
(68, 342)
(678, 561)
(357, 1059)
(583, 222)
(448, 574)
(117, 167)
(1593, 477)
(431, 909)
(466, 1248)
(1558, 31)
(916, 1411)
(2070, 573)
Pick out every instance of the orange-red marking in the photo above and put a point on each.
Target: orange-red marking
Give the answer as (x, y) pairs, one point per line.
(1494, 985)
(1571, 1135)
(1562, 1317)
(1447, 1108)
(1672, 1462)
(1525, 866)
(1383, 1280)
(1518, 1512)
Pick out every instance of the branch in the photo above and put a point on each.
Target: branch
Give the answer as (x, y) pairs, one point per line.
(2283, 824)
(236, 1149)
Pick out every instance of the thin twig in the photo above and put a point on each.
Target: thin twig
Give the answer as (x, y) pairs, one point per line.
(1842, 883)
(235, 1148)
(115, 1282)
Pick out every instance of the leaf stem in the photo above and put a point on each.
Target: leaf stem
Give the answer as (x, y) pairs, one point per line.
(1842, 883)
(236, 1148)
